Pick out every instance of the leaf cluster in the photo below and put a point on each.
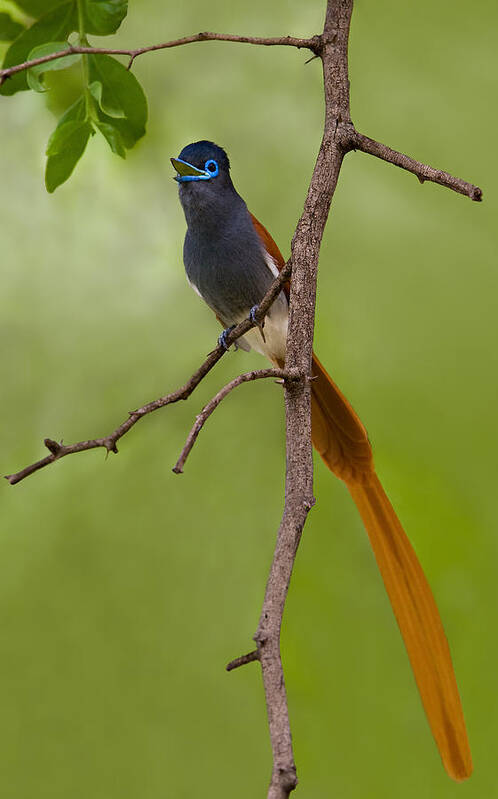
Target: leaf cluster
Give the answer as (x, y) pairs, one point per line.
(111, 103)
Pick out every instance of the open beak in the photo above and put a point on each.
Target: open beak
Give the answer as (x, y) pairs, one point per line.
(187, 171)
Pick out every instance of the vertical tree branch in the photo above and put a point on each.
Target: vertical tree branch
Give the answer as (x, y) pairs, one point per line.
(299, 470)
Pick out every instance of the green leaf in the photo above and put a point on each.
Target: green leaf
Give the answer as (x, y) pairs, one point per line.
(76, 111)
(113, 137)
(63, 136)
(53, 27)
(35, 73)
(105, 101)
(119, 93)
(103, 17)
(65, 148)
(59, 164)
(35, 8)
(123, 127)
(9, 28)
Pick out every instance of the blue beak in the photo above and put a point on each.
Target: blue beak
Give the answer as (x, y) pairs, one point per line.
(188, 171)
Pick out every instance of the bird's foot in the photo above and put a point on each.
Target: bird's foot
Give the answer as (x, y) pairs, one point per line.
(252, 316)
(222, 339)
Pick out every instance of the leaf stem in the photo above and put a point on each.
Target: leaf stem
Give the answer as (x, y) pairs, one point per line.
(81, 23)
(84, 59)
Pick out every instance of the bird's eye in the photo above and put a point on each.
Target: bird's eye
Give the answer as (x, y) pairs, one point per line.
(212, 167)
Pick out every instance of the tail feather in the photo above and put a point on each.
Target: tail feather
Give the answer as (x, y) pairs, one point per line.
(337, 432)
(342, 442)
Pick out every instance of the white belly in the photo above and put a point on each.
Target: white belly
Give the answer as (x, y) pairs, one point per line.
(275, 332)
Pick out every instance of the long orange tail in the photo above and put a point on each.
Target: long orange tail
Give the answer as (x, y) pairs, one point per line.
(341, 440)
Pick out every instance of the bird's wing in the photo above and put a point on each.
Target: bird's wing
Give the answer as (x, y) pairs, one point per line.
(272, 250)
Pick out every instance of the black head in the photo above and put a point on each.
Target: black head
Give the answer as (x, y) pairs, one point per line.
(202, 161)
(207, 193)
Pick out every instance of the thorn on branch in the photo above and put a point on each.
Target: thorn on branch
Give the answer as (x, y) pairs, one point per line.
(242, 660)
(310, 503)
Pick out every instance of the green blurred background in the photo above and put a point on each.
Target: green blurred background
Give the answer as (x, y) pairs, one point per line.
(125, 589)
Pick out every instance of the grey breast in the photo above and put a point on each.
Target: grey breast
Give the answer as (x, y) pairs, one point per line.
(226, 264)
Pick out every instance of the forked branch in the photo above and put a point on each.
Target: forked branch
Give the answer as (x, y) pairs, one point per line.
(422, 171)
(206, 412)
(339, 137)
(312, 44)
(109, 442)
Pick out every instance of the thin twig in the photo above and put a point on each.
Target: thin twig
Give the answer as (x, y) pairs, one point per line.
(353, 139)
(423, 171)
(242, 660)
(206, 412)
(312, 44)
(109, 442)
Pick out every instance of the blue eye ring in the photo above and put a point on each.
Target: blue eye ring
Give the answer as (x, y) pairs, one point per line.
(212, 167)
(188, 172)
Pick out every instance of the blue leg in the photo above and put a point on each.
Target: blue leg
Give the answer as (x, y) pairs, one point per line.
(252, 316)
(222, 339)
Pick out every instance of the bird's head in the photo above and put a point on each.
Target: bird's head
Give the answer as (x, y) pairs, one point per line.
(203, 175)
(200, 162)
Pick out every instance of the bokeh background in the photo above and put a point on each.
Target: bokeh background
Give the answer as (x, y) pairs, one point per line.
(125, 589)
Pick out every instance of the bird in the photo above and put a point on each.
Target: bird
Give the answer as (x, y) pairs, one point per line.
(231, 260)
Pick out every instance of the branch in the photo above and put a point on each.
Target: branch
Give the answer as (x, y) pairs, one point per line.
(269, 41)
(109, 442)
(339, 137)
(424, 172)
(242, 660)
(299, 474)
(352, 139)
(206, 412)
